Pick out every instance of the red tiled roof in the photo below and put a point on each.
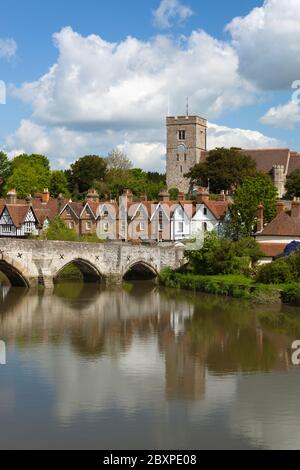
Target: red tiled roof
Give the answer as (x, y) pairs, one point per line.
(271, 250)
(282, 225)
(267, 158)
(217, 208)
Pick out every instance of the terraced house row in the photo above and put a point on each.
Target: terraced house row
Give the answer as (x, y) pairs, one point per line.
(126, 219)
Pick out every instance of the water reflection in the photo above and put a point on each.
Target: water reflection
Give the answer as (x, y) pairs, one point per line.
(146, 367)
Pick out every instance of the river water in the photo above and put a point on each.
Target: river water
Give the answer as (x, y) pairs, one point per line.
(142, 367)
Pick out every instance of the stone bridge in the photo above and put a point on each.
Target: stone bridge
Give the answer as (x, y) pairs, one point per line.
(28, 263)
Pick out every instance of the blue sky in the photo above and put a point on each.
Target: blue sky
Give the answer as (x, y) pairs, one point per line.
(101, 90)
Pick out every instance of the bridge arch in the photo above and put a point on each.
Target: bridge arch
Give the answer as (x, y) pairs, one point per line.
(140, 270)
(14, 275)
(88, 270)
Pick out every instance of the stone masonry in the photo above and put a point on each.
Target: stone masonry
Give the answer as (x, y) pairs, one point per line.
(186, 140)
(29, 263)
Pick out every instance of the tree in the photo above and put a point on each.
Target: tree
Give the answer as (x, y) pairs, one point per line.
(86, 171)
(293, 184)
(58, 230)
(59, 184)
(174, 193)
(30, 174)
(5, 168)
(247, 197)
(224, 169)
(118, 160)
(222, 256)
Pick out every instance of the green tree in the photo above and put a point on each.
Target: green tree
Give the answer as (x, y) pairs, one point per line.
(5, 169)
(29, 174)
(224, 169)
(174, 193)
(86, 171)
(58, 230)
(247, 197)
(293, 184)
(59, 184)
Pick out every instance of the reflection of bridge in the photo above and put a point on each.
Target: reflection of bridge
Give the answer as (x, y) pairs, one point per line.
(29, 263)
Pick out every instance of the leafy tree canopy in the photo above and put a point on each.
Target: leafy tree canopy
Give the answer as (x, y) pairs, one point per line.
(247, 197)
(5, 169)
(118, 160)
(293, 184)
(224, 169)
(86, 171)
(59, 184)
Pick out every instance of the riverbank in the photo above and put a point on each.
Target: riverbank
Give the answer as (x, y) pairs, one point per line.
(236, 286)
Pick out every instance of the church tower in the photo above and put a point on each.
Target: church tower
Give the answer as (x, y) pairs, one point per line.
(186, 141)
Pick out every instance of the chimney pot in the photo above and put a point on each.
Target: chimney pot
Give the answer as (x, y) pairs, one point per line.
(11, 197)
(164, 195)
(296, 208)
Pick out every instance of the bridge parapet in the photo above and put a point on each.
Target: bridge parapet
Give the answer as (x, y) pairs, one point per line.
(31, 262)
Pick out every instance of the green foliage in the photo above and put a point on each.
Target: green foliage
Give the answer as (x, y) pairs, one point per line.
(291, 294)
(117, 160)
(86, 171)
(278, 272)
(224, 169)
(247, 197)
(174, 192)
(5, 169)
(59, 231)
(222, 256)
(59, 184)
(29, 174)
(293, 184)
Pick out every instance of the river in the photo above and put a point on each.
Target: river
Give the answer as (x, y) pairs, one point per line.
(142, 367)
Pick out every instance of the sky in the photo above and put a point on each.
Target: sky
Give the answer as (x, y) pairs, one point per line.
(84, 77)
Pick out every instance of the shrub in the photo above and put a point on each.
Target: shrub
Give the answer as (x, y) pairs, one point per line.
(291, 294)
(59, 231)
(278, 272)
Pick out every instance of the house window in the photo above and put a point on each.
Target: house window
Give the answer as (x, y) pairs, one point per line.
(6, 228)
(160, 222)
(105, 214)
(181, 135)
(204, 227)
(142, 227)
(71, 225)
(88, 226)
(205, 211)
(105, 227)
(28, 227)
(180, 227)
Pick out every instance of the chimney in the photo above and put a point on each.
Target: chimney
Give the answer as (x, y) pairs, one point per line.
(143, 197)
(128, 193)
(92, 195)
(29, 200)
(45, 196)
(296, 208)
(61, 202)
(181, 197)
(280, 207)
(163, 195)
(260, 218)
(222, 196)
(11, 197)
(203, 195)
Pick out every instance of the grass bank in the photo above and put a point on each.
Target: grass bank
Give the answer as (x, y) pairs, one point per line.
(236, 286)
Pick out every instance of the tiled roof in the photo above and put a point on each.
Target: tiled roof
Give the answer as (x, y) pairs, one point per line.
(267, 158)
(282, 225)
(271, 250)
(217, 208)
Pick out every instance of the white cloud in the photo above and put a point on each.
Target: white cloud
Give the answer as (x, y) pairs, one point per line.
(96, 84)
(63, 146)
(222, 136)
(267, 41)
(170, 11)
(285, 116)
(8, 48)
